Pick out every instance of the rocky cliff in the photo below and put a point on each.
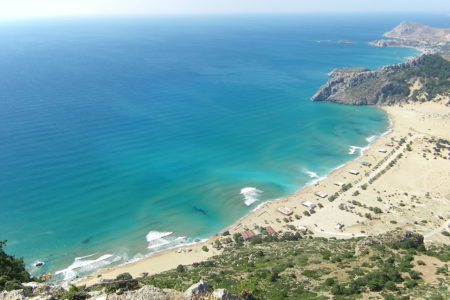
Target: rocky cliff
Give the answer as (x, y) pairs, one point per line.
(418, 79)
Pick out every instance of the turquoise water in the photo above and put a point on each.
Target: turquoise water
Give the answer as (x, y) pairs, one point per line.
(111, 129)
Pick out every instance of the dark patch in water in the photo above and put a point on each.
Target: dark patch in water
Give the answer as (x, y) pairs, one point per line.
(86, 241)
(199, 210)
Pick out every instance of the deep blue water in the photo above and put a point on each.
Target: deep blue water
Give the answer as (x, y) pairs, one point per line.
(112, 128)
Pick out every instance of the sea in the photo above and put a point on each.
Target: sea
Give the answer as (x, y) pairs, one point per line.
(124, 136)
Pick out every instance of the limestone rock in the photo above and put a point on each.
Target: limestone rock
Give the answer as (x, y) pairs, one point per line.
(12, 295)
(198, 289)
(222, 294)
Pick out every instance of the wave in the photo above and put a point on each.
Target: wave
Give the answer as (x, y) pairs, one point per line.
(82, 265)
(353, 149)
(371, 138)
(250, 194)
(157, 239)
(311, 174)
(314, 176)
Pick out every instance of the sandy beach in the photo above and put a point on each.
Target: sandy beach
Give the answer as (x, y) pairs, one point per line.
(402, 180)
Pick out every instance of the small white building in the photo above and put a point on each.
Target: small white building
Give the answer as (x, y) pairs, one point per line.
(285, 211)
(321, 194)
(353, 172)
(308, 204)
(382, 150)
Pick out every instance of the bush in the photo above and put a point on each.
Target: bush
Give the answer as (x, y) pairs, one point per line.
(12, 285)
(181, 269)
(204, 248)
(377, 210)
(124, 282)
(75, 293)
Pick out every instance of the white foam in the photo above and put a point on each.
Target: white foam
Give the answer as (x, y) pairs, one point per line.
(250, 194)
(81, 265)
(311, 174)
(371, 138)
(353, 149)
(157, 239)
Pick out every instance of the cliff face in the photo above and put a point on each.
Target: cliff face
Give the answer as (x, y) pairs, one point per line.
(419, 79)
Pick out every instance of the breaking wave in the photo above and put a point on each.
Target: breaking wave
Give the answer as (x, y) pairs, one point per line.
(314, 176)
(251, 195)
(353, 149)
(311, 174)
(371, 138)
(84, 265)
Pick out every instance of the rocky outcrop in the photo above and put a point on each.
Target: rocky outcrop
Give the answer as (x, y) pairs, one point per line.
(389, 84)
(198, 289)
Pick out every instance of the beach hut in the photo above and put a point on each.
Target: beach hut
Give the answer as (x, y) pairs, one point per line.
(247, 235)
(285, 211)
(321, 194)
(308, 204)
(353, 172)
(382, 150)
(271, 231)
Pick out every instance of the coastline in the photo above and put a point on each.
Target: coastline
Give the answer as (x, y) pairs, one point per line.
(415, 123)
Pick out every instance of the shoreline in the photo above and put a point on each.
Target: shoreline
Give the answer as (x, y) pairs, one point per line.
(194, 246)
(405, 122)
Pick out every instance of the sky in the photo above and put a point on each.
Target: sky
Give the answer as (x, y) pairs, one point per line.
(44, 8)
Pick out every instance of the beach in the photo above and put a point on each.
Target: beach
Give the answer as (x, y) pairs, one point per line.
(401, 180)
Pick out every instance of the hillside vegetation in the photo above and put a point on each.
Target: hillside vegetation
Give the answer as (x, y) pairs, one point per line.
(420, 79)
(393, 266)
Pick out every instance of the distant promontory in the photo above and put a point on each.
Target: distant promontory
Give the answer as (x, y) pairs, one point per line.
(422, 37)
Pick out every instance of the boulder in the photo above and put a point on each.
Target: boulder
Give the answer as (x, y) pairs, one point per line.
(222, 294)
(198, 289)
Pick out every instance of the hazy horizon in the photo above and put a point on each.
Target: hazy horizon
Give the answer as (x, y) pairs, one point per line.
(19, 9)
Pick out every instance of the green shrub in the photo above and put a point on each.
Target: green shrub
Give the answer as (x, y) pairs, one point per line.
(75, 293)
